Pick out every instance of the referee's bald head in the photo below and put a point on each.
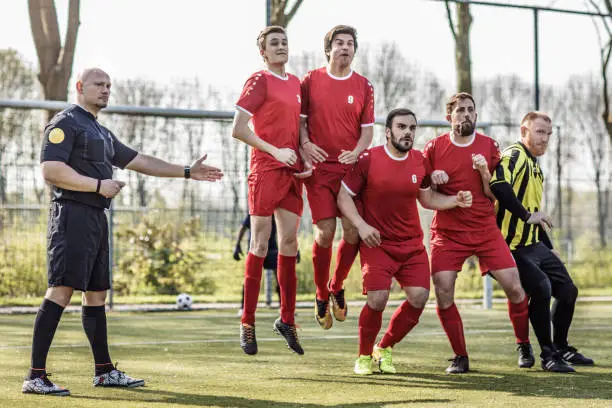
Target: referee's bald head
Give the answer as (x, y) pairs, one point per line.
(88, 74)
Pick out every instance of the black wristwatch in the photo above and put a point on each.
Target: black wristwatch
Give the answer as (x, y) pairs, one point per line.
(187, 172)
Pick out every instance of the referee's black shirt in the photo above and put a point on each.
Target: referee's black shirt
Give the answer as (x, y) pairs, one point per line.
(75, 137)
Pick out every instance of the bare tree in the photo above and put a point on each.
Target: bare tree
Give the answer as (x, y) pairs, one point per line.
(305, 61)
(55, 60)
(461, 35)
(281, 14)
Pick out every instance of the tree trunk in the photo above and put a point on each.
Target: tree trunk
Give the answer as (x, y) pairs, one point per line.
(55, 61)
(278, 16)
(462, 48)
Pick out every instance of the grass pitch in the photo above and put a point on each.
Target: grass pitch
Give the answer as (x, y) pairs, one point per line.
(194, 359)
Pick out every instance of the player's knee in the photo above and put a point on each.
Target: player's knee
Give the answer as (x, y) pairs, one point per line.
(542, 291)
(419, 300)
(568, 293)
(259, 248)
(325, 237)
(378, 302)
(350, 234)
(288, 245)
(59, 295)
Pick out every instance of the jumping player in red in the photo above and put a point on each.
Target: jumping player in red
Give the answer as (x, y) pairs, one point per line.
(388, 180)
(337, 125)
(463, 160)
(271, 99)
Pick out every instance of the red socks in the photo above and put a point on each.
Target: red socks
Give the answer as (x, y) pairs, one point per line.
(403, 320)
(252, 283)
(321, 260)
(344, 260)
(453, 326)
(519, 316)
(287, 280)
(370, 322)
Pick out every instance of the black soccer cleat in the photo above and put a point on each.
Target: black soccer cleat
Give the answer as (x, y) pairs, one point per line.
(248, 341)
(525, 355)
(553, 362)
(322, 315)
(573, 357)
(290, 334)
(459, 365)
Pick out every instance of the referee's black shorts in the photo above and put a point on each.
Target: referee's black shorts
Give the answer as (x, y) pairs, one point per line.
(537, 262)
(77, 246)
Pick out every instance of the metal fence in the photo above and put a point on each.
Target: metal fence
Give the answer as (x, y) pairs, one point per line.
(181, 135)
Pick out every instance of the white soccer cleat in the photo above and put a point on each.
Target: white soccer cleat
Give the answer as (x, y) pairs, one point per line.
(42, 385)
(116, 378)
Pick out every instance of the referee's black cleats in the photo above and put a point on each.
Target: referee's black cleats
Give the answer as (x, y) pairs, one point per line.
(289, 332)
(248, 341)
(553, 362)
(459, 365)
(573, 357)
(525, 355)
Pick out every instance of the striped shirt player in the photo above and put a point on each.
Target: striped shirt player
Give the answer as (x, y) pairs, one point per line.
(517, 183)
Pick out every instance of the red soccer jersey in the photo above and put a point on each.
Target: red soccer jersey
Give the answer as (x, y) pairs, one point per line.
(274, 104)
(388, 188)
(442, 153)
(337, 109)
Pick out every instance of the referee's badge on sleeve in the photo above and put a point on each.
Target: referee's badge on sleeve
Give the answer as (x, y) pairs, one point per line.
(56, 136)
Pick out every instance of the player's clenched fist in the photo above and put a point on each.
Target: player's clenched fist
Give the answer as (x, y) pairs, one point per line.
(464, 199)
(439, 177)
(480, 163)
(369, 235)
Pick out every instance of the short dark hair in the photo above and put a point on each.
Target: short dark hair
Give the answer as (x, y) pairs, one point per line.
(398, 112)
(261, 38)
(339, 29)
(455, 99)
(531, 116)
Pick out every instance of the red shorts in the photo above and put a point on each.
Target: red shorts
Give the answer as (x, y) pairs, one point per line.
(322, 190)
(449, 250)
(408, 264)
(274, 189)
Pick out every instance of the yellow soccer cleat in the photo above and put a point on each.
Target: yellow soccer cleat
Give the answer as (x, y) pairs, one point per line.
(363, 365)
(322, 314)
(382, 358)
(339, 307)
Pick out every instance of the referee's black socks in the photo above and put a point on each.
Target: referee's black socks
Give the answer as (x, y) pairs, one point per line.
(47, 319)
(94, 323)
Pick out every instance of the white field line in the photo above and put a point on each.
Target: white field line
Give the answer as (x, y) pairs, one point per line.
(268, 339)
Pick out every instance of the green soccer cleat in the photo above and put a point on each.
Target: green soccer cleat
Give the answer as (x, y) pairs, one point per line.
(363, 365)
(382, 358)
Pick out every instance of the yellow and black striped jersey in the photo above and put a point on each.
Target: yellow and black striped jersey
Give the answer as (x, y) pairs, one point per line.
(519, 168)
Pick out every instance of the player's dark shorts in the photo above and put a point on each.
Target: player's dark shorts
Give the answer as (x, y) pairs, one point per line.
(274, 189)
(77, 246)
(407, 262)
(271, 259)
(322, 191)
(450, 249)
(537, 262)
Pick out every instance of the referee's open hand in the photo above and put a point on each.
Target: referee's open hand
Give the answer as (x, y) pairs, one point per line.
(203, 172)
(109, 188)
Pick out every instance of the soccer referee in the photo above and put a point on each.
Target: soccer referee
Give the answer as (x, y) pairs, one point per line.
(77, 156)
(517, 183)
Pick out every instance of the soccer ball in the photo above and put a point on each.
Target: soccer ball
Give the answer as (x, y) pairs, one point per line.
(184, 301)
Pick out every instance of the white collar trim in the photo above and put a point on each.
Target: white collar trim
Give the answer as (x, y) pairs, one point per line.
(286, 77)
(344, 78)
(392, 156)
(450, 136)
